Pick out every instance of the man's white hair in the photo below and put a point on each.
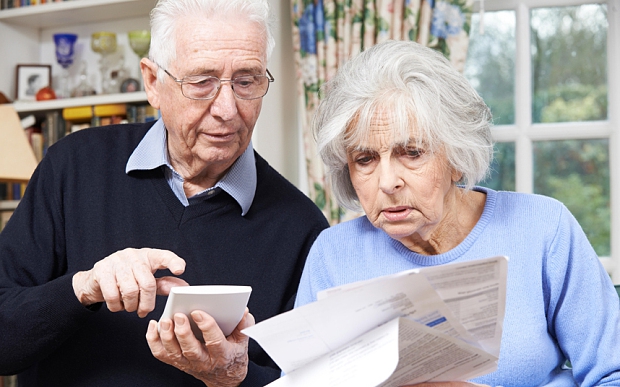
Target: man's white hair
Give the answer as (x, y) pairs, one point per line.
(167, 13)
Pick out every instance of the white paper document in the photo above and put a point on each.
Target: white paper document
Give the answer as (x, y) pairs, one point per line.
(441, 323)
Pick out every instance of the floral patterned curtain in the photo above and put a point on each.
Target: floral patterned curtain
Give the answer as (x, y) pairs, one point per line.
(326, 33)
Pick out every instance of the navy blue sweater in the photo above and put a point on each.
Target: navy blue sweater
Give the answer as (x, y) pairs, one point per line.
(81, 206)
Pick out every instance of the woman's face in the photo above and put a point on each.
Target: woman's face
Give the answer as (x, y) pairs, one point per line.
(404, 189)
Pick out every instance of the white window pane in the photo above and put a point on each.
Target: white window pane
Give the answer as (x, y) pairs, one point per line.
(502, 174)
(569, 56)
(490, 65)
(576, 172)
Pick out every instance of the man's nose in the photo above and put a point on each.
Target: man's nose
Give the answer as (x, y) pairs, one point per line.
(225, 102)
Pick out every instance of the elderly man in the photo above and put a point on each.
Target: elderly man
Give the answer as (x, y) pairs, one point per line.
(112, 212)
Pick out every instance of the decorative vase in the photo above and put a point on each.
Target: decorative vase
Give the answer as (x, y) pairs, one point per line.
(65, 44)
(104, 43)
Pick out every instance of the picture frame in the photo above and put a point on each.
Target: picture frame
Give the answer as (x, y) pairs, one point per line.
(30, 78)
(130, 85)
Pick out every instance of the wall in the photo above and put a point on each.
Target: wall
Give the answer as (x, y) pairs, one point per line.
(277, 136)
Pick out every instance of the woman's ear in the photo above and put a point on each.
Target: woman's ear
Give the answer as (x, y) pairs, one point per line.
(149, 78)
(456, 176)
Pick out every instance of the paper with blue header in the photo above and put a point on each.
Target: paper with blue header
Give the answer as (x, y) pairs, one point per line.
(440, 323)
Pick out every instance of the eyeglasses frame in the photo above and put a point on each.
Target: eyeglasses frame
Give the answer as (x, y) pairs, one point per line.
(270, 79)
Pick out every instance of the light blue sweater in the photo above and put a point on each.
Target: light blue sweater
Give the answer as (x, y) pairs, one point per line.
(560, 303)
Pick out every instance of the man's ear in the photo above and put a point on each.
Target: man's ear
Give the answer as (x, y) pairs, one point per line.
(149, 78)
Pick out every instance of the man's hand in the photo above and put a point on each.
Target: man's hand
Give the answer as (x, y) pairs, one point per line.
(218, 362)
(125, 281)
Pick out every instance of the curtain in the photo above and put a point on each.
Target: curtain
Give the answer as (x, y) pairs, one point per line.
(326, 33)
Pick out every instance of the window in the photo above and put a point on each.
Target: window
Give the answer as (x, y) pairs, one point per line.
(548, 69)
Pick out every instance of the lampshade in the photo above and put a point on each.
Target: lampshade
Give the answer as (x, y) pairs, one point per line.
(17, 160)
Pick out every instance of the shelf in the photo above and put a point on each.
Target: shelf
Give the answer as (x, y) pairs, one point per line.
(55, 104)
(75, 12)
(8, 205)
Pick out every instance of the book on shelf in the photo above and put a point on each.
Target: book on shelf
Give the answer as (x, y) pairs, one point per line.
(9, 381)
(141, 113)
(83, 117)
(32, 129)
(7, 4)
(11, 191)
(6, 210)
(110, 110)
(54, 127)
(77, 113)
(4, 217)
(36, 142)
(81, 114)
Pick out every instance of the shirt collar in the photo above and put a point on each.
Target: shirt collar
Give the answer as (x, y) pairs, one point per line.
(239, 182)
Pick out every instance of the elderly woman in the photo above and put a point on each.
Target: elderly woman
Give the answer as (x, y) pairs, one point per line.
(405, 139)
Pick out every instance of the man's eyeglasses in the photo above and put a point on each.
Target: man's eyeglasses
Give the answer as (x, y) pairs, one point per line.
(206, 86)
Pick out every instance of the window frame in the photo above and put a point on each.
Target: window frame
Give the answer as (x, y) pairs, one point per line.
(523, 132)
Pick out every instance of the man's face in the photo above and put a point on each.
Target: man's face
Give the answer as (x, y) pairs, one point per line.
(205, 137)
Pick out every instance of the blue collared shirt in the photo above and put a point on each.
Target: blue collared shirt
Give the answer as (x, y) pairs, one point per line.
(239, 182)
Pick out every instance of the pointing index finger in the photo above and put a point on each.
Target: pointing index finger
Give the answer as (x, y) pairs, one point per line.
(165, 259)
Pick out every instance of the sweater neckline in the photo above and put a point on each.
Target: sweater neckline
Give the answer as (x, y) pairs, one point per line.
(461, 248)
(182, 213)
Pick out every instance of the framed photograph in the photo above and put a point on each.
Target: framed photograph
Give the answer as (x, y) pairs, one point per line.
(31, 78)
(130, 85)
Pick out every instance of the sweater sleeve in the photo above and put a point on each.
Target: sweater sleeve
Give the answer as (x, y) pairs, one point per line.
(582, 306)
(314, 277)
(38, 309)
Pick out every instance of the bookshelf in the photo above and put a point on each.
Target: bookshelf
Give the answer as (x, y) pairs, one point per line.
(27, 38)
(55, 14)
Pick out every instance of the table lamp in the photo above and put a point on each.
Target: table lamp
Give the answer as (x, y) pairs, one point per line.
(17, 160)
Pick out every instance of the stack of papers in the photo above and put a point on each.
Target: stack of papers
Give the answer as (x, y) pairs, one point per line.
(440, 323)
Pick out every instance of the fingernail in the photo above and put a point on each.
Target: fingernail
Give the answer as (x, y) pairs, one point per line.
(197, 317)
(165, 325)
(178, 320)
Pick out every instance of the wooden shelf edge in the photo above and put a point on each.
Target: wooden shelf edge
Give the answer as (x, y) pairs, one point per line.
(65, 13)
(56, 104)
